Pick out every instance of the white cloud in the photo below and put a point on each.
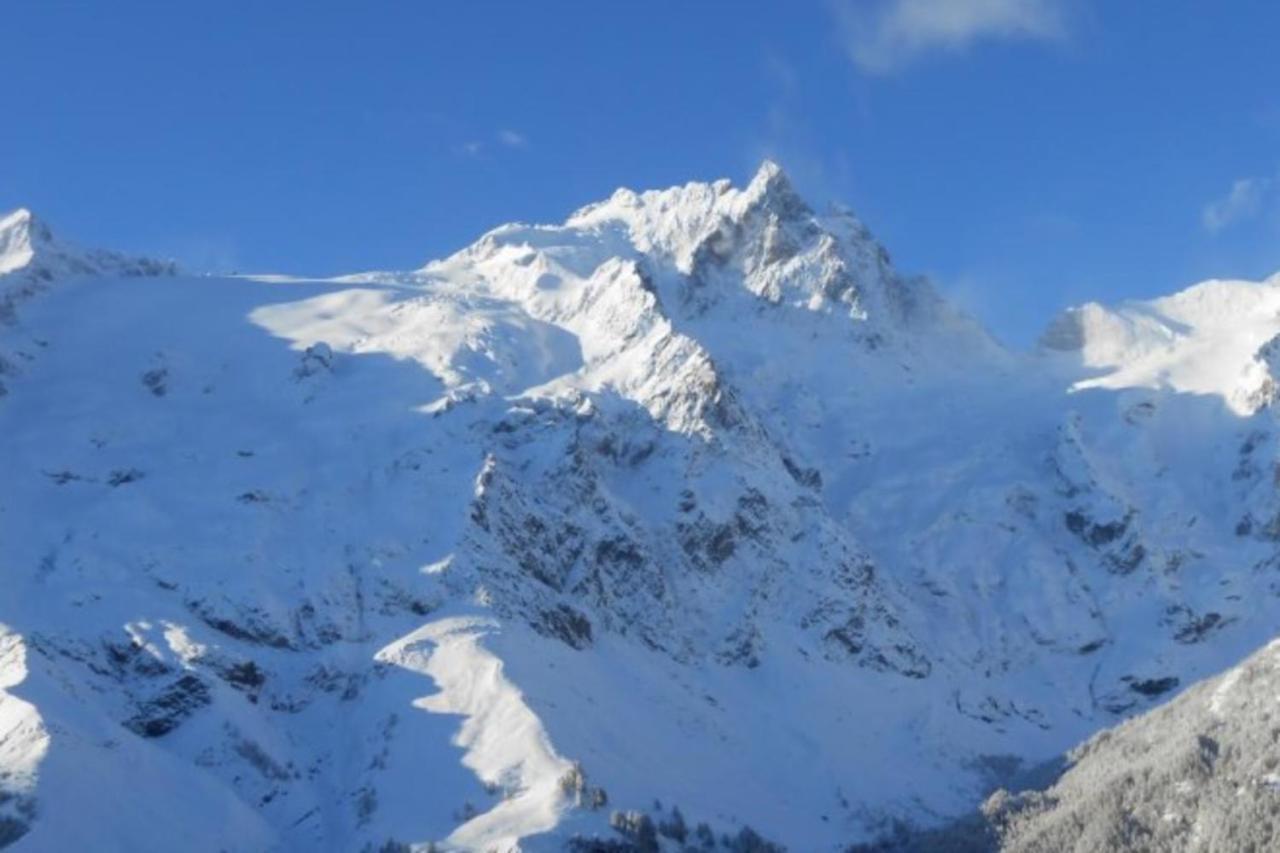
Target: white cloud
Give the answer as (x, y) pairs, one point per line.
(1244, 201)
(512, 139)
(882, 36)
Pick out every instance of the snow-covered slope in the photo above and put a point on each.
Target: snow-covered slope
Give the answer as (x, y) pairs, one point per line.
(31, 259)
(691, 503)
(1209, 339)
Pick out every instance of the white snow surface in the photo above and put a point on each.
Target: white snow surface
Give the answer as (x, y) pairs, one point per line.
(506, 745)
(1203, 340)
(694, 494)
(16, 249)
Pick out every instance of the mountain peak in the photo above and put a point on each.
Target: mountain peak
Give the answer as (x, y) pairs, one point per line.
(28, 244)
(21, 235)
(755, 255)
(771, 188)
(769, 171)
(14, 218)
(23, 221)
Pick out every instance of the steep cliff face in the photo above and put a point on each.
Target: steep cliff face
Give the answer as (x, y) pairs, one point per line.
(693, 498)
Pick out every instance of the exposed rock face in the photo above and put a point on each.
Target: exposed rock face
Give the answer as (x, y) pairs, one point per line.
(1264, 373)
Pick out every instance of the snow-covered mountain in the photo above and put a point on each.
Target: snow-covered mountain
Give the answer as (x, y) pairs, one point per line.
(691, 515)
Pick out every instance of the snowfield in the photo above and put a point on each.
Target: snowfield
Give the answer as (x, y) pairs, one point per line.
(506, 746)
(690, 523)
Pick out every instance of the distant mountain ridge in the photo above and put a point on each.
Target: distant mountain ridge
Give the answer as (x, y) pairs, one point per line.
(1207, 339)
(28, 248)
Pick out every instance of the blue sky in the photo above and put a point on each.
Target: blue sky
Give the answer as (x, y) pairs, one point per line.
(1027, 154)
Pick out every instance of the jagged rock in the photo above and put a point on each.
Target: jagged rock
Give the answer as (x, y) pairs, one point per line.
(164, 712)
(1151, 686)
(315, 359)
(565, 624)
(157, 381)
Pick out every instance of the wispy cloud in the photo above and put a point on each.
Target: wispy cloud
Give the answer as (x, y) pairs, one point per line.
(883, 36)
(1245, 200)
(512, 139)
(786, 136)
(505, 138)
